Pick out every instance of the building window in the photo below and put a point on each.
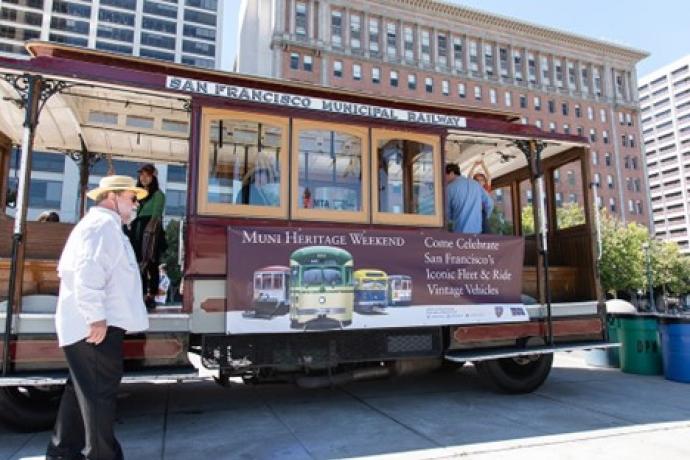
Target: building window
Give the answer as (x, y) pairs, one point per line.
(461, 90)
(503, 62)
(538, 124)
(445, 87)
(338, 69)
(584, 80)
(478, 93)
(612, 205)
(580, 131)
(628, 119)
(508, 99)
(564, 109)
(578, 112)
(523, 101)
(624, 140)
(517, 65)
(409, 44)
(559, 72)
(492, 96)
(474, 58)
(552, 127)
(442, 49)
(552, 106)
(544, 64)
(571, 76)
(638, 185)
(457, 53)
(590, 113)
(607, 159)
(412, 82)
(376, 75)
(537, 103)
(638, 203)
(308, 63)
(602, 115)
(559, 199)
(355, 32)
(488, 59)
(605, 136)
(337, 28)
(621, 118)
(391, 40)
(592, 135)
(429, 85)
(426, 47)
(393, 78)
(595, 158)
(531, 68)
(566, 128)
(356, 72)
(294, 61)
(374, 36)
(631, 140)
(634, 162)
(597, 180)
(301, 19)
(524, 120)
(572, 197)
(597, 81)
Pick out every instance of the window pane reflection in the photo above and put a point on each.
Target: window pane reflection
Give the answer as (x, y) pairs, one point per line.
(405, 177)
(330, 170)
(526, 210)
(244, 165)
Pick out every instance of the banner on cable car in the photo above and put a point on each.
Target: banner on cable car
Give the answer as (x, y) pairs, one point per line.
(312, 279)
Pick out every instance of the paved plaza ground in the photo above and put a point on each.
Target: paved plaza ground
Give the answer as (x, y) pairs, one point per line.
(581, 412)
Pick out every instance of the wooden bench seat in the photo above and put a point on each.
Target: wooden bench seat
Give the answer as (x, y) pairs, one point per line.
(40, 277)
(562, 279)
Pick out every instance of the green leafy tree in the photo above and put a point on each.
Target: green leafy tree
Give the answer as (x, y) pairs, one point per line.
(170, 257)
(622, 265)
(570, 215)
(671, 270)
(498, 224)
(527, 218)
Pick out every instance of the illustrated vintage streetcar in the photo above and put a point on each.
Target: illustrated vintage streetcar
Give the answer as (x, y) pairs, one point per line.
(292, 188)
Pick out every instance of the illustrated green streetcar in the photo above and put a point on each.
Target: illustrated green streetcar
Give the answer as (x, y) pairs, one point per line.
(321, 288)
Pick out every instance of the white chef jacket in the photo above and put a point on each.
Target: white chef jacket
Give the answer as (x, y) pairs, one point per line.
(99, 279)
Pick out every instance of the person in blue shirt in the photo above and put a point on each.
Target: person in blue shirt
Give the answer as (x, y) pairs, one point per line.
(467, 203)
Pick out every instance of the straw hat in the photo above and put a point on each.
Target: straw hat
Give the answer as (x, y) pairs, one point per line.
(117, 184)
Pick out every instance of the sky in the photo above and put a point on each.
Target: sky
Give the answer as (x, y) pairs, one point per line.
(659, 27)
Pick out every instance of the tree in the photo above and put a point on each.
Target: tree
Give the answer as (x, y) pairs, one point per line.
(170, 257)
(622, 265)
(527, 219)
(671, 270)
(498, 224)
(570, 215)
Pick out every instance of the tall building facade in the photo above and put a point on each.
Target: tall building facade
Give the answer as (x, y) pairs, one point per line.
(435, 51)
(665, 114)
(182, 31)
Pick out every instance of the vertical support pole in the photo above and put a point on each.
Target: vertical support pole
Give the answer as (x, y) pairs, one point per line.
(34, 88)
(532, 150)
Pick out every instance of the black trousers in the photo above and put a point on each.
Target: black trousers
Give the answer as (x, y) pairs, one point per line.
(85, 421)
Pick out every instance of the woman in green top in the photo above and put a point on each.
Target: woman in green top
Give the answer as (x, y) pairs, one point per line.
(146, 233)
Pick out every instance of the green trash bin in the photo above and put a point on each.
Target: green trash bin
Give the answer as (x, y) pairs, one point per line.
(640, 348)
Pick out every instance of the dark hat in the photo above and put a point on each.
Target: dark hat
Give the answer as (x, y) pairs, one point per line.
(149, 168)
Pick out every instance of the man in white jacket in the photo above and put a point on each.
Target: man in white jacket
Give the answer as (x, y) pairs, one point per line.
(100, 299)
